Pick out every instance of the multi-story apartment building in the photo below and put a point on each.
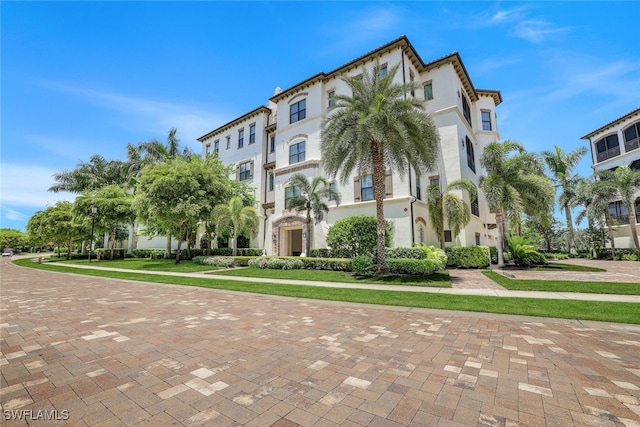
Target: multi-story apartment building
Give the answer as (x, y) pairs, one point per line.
(272, 143)
(613, 145)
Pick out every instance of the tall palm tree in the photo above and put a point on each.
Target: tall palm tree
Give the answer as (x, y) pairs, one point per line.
(596, 199)
(375, 129)
(447, 206)
(626, 184)
(514, 184)
(561, 165)
(235, 219)
(312, 200)
(98, 172)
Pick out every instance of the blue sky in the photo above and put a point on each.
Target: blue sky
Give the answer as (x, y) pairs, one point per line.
(84, 78)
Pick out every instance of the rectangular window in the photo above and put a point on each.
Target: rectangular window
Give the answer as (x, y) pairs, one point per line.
(619, 212)
(411, 79)
(228, 142)
(477, 239)
(366, 188)
(252, 134)
(272, 144)
(383, 70)
(331, 96)
(447, 236)
(298, 111)
(245, 171)
(466, 109)
(271, 181)
(297, 152)
(207, 149)
(486, 120)
(434, 180)
(216, 146)
(289, 193)
(475, 207)
(428, 90)
(241, 138)
(471, 156)
(418, 188)
(333, 187)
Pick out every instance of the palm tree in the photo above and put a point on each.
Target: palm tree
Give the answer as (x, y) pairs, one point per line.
(514, 184)
(377, 128)
(596, 199)
(447, 206)
(235, 219)
(98, 172)
(561, 165)
(625, 182)
(311, 199)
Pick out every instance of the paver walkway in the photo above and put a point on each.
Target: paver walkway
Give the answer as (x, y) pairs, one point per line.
(111, 352)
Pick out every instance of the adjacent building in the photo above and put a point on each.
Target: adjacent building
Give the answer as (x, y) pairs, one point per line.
(271, 143)
(613, 145)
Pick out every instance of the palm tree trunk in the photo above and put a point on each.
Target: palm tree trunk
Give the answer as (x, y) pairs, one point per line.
(611, 237)
(632, 225)
(234, 243)
(378, 192)
(570, 237)
(113, 242)
(308, 242)
(499, 243)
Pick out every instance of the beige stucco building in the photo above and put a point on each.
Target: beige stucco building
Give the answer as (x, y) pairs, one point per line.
(272, 143)
(613, 145)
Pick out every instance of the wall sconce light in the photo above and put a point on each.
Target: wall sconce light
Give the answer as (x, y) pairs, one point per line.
(462, 142)
(458, 93)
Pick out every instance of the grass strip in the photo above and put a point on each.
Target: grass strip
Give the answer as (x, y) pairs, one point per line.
(557, 266)
(146, 264)
(566, 309)
(619, 288)
(440, 280)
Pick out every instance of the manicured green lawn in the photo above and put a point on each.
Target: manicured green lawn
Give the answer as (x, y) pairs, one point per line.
(557, 266)
(567, 309)
(440, 280)
(564, 285)
(146, 264)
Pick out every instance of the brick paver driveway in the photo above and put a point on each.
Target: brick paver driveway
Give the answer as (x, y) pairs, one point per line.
(110, 352)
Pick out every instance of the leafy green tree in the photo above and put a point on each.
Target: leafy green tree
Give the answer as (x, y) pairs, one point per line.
(561, 164)
(114, 209)
(55, 225)
(625, 183)
(178, 192)
(514, 184)
(12, 238)
(312, 200)
(447, 206)
(154, 152)
(235, 219)
(377, 128)
(544, 229)
(356, 235)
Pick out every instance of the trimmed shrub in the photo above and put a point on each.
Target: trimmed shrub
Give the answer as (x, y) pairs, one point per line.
(320, 253)
(276, 263)
(629, 257)
(412, 266)
(333, 264)
(363, 265)
(216, 261)
(148, 253)
(355, 235)
(413, 253)
(556, 255)
(435, 254)
(468, 256)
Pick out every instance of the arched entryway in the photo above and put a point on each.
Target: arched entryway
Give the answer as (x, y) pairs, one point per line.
(288, 236)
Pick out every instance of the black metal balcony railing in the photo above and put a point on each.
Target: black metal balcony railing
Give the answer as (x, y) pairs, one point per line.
(608, 154)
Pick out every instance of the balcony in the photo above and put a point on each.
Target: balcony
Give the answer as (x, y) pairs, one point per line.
(631, 144)
(608, 154)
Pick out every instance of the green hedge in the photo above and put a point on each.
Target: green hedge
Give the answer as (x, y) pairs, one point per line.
(363, 265)
(276, 263)
(421, 267)
(467, 256)
(334, 264)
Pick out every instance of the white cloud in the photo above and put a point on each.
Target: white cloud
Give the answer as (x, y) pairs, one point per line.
(26, 186)
(536, 31)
